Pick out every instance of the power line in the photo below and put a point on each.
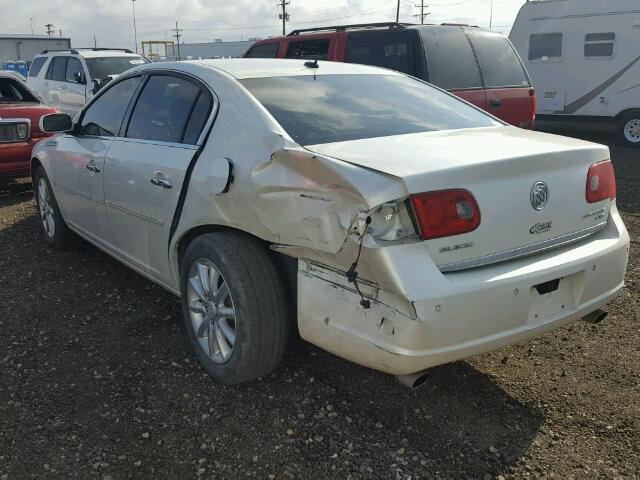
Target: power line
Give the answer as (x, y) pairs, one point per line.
(284, 15)
(421, 15)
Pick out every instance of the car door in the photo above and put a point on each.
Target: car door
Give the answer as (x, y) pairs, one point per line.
(145, 168)
(73, 91)
(54, 80)
(78, 162)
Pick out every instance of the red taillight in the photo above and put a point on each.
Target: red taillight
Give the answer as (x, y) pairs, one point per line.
(601, 182)
(445, 213)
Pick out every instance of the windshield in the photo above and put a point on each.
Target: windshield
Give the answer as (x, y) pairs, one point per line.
(11, 91)
(335, 108)
(101, 67)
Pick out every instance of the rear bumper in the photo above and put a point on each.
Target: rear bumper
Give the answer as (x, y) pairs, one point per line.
(453, 316)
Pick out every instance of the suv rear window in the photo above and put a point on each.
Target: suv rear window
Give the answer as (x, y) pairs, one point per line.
(36, 66)
(102, 67)
(311, 49)
(336, 108)
(395, 50)
(500, 64)
(451, 63)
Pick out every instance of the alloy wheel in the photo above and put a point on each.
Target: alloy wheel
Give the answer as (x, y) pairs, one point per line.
(211, 311)
(46, 209)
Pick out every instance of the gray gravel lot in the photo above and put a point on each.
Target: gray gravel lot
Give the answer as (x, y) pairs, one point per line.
(97, 380)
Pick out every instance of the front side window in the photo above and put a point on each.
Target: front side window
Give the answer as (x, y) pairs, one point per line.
(74, 70)
(36, 66)
(499, 63)
(163, 110)
(311, 49)
(269, 50)
(599, 44)
(336, 108)
(395, 50)
(451, 63)
(104, 116)
(57, 69)
(545, 46)
(101, 67)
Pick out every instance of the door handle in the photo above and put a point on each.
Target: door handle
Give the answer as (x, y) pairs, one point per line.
(495, 102)
(93, 168)
(159, 179)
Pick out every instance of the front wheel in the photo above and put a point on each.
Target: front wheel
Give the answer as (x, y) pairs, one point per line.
(234, 306)
(56, 232)
(629, 128)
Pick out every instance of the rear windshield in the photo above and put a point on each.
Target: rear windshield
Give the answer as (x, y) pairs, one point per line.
(500, 65)
(335, 108)
(102, 67)
(11, 91)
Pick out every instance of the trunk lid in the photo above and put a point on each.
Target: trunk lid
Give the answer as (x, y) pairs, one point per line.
(499, 166)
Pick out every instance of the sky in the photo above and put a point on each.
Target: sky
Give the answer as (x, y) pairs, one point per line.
(111, 21)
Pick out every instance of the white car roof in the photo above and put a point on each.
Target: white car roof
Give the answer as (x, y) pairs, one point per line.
(241, 68)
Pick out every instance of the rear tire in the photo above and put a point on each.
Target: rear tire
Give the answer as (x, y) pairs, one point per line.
(54, 229)
(629, 129)
(234, 306)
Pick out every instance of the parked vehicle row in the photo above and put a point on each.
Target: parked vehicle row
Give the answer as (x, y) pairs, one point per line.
(475, 64)
(398, 226)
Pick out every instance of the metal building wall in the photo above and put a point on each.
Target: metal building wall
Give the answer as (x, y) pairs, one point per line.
(25, 47)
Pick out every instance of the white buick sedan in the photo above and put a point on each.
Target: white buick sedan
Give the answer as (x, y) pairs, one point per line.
(396, 225)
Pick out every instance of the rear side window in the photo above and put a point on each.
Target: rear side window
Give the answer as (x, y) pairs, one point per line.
(545, 46)
(451, 63)
(499, 62)
(163, 109)
(336, 108)
(57, 69)
(12, 91)
(599, 44)
(197, 119)
(309, 49)
(395, 50)
(36, 66)
(269, 50)
(104, 116)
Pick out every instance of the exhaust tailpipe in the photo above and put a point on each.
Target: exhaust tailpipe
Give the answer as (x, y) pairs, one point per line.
(595, 317)
(414, 380)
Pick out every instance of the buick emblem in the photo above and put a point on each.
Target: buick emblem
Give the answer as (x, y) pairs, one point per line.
(539, 195)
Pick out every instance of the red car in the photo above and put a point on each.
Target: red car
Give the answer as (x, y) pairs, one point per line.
(477, 65)
(20, 113)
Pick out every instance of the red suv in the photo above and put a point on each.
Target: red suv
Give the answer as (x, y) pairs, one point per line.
(475, 64)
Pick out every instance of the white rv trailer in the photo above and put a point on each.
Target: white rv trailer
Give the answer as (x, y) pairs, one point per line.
(584, 59)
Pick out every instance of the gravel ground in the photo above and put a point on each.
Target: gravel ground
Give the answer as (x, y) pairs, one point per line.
(97, 380)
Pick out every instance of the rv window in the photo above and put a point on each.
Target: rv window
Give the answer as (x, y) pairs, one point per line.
(545, 46)
(599, 44)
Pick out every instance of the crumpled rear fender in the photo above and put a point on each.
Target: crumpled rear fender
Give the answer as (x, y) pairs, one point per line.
(312, 201)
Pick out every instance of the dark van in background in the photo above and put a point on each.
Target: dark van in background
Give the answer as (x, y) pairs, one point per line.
(475, 64)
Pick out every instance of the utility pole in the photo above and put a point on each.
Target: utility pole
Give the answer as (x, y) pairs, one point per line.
(177, 35)
(95, 41)
(284, 16)
(398, 13)
(31, 21)
(60, 31)
(422, 7)
(49, 28)
(491, 16)
(135, 32)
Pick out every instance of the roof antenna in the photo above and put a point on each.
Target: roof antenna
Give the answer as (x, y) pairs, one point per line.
(313, 64)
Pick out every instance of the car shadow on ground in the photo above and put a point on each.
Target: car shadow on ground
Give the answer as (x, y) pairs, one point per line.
(112, 344)
(15, 191)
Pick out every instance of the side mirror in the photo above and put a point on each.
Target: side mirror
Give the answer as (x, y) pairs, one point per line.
(56, 122)
(78, 77)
